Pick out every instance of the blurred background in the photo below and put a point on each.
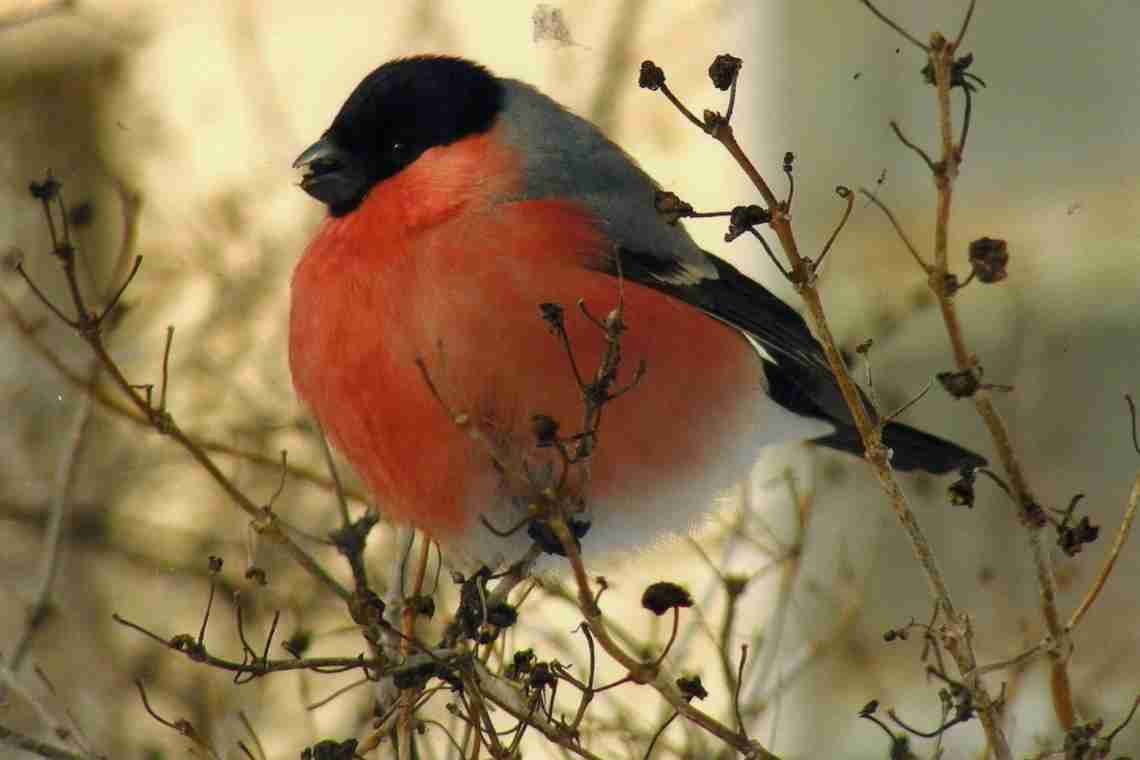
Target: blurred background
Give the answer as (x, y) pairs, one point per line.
(193, 112)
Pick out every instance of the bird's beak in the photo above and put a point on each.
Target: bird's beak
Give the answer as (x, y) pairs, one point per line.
(330, 175)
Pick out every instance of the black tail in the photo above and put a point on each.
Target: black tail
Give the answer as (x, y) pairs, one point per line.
(912, 449)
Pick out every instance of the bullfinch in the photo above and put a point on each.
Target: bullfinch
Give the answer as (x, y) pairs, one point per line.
(458, 202)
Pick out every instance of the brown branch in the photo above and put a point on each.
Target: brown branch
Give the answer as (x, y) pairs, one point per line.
(90, 327)
(408, 628)
(941, 60)
(260, 666)
(645, 672)
(12, 738)
(957, 632)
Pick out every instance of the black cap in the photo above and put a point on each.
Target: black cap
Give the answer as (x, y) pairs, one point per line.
(395, 114)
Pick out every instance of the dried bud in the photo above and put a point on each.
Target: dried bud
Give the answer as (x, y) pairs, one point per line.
(366, 608)
(734, 585)
(959, 384)
(1033, 515)
(958, 75)
(542, 534)
(12, 259)
(46, 190)
(712, 121)
(961, 493)
(723, 70)
(652, 76)
(423, 605)
(553, 314)
(670, 206)
(545, 429)
(744, 218)
(691, 687)
(331, 750)
(989, 257)
(541, 676)
(257, 575)
(789, 159)
(415, 676)
(521, 664)
(189, 646)
(215, 564)
(869, 709)
(1073, 539)
(485, 633)
(81, 214)
(663, 596)
(297, 644)
(502, 615)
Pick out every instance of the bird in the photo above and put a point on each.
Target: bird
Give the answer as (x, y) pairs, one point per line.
(460, 207)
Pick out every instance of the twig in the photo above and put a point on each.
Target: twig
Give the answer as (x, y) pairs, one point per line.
(129, 412)
(408, 629)
(902, 409)
(245, 722)
(182, 726)
(771, 254)
(965, 24)
(871, 436)
(1110, 560)
(657, 734)
(165, 369)
(848, 196)
(942, 63)
(62, 486)
(338, 486)
(921, 153)
(898, 228)
(12, 738)
(891, 23)
(198, 653)
(736, 691)
(1019, 659)
(1132, 416)
(89, 325)
(638, 670)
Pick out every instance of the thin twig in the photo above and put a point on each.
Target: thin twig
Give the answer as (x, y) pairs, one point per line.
(12, 738)
(1110, 560)
(898, 228)
(848, 196)
(637, 669)
(165, 368)
(771, 254)
(408, 629)
(1132, 416)
(965, 24)
(902, 409)
(657, 734)
(52, 554)
(338, 486)
(889, 22)
(736, 692)
(921, 153)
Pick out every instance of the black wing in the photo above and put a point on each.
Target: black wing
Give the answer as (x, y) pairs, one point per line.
(799, 377)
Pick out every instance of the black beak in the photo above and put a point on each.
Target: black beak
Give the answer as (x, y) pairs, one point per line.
(331, 176)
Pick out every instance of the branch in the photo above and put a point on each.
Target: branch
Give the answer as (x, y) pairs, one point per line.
(957, 632)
